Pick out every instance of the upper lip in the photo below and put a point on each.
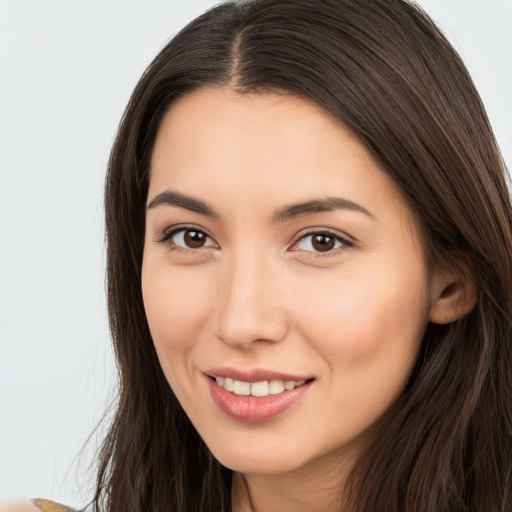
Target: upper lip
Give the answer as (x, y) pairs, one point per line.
(255, 374)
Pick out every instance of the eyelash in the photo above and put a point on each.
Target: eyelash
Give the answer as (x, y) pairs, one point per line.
(344, 243)
(167, 239)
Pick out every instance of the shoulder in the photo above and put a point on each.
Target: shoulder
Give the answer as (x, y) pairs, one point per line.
(38, 505)
(19, 506)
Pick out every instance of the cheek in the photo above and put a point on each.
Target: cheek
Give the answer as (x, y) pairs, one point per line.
(371, 321)
(368, 333)
(175, 303)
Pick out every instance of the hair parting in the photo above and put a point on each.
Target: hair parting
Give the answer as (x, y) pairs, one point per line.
(446, 444)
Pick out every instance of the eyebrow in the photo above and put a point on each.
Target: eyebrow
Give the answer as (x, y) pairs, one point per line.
(329, 204)
(173, 198)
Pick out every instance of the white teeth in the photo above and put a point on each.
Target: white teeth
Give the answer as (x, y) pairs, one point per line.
(276, 387)
(289, 384)
(229, 384)
(257, 389)
(242, 388)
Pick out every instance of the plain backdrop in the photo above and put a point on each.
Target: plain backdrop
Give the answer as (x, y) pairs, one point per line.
(67, 68)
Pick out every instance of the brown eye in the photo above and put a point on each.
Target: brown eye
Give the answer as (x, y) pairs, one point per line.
(321, 242)
(188, 238)
(194, 239)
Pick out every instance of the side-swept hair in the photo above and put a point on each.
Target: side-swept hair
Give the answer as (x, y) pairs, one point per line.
(385, 71)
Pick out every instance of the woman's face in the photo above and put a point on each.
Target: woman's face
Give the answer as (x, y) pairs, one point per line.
(283, 279)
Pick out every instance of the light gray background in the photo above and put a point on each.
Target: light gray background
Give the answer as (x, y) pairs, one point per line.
(67, 68)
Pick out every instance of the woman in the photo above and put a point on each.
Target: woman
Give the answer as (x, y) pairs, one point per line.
(309, 270)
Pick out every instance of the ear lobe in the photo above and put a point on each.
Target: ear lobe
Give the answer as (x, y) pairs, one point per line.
(454, 297)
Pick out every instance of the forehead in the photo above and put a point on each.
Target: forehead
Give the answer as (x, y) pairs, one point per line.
(274, 132)
(241, 119)
(262, 151)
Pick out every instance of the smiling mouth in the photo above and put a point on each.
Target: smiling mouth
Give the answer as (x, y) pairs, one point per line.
(255, 400)
(258, 389)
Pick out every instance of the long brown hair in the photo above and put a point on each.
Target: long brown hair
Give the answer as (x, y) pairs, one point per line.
(384, 70)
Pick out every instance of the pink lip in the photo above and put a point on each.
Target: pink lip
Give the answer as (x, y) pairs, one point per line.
(255, 375)
(251, 409)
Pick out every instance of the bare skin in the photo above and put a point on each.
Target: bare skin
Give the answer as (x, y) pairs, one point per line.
(18, 506)
(339, 294)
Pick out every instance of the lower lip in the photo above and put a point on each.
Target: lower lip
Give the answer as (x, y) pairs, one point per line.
(252, 409)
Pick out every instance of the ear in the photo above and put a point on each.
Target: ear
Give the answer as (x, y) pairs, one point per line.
(453, 296)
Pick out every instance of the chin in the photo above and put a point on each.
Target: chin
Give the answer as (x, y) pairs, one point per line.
(258, 462)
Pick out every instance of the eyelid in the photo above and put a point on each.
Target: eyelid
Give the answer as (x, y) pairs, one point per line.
(346, 241)
(171, 231)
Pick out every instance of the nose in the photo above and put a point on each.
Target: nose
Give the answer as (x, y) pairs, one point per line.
(250, 308)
